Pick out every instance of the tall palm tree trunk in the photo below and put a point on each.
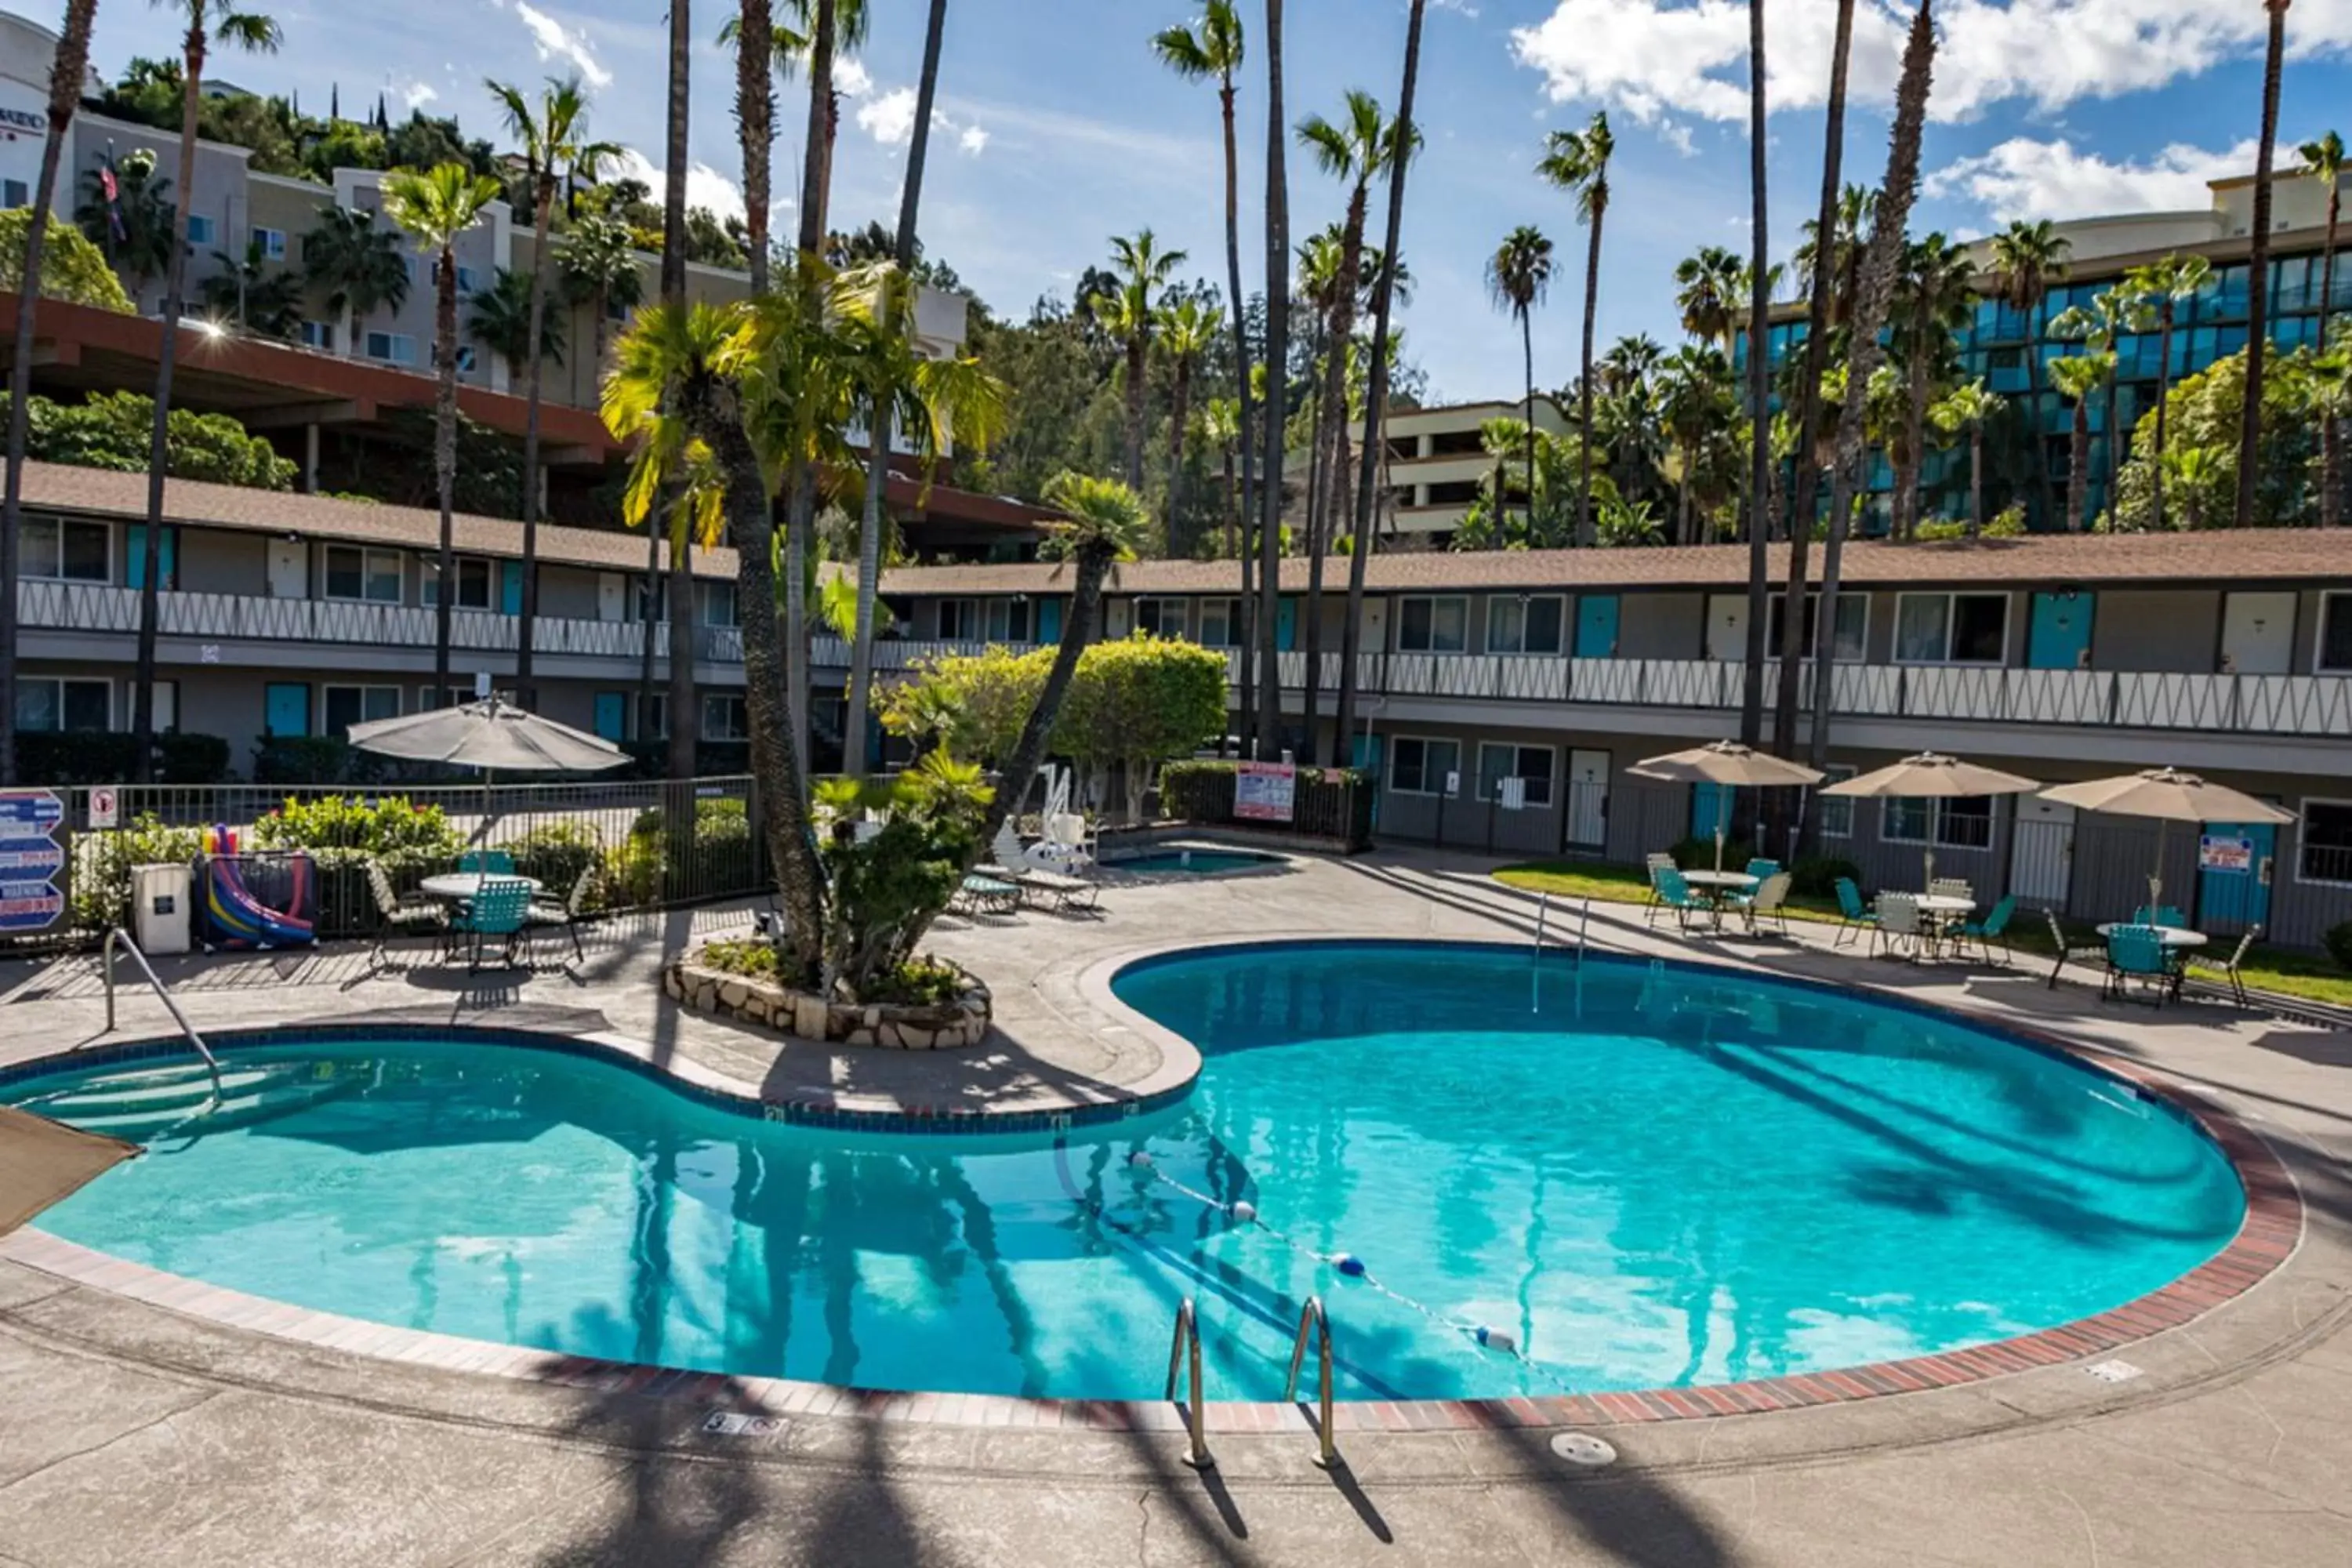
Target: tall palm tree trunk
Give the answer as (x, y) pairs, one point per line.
(1180, 409)
(534, 374)
(755, 124)
(2037, 370)
(2163, 396)
(2078, 464)
(801, 518)
(1139, 366)
(1020, 770)
(175, 276)
(65, 74)
(1915, 435)
(1759, 403)
(1976, 478)
(673, 294)
(1242, 372)
(2115, 443)
(2258, 270)
(1376, 398)
(1584, 530)
(1277, 355)
(1527, 376)
(880, 428)
(1807, 488)
(1233, 498)
(444, 464)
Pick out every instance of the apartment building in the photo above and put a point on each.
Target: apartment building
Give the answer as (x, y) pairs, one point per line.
(1438, 459)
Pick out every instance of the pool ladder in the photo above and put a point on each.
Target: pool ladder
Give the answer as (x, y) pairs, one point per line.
(119, 937)
(1583, 926)
(1185, 1355)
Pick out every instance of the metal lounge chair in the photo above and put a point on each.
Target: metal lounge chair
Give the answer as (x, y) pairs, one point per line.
(1859, 918)
(981, 895)
(1898, 920)
(1768, 901)
(2159, 915)
(1064, 893)
(2074, 954)
(2136, 952)
(487, 863)
(1762, 869)
(2232, 968)
(566, 915)
(395, 914)
(1677, 895)
(501, 909)
(1993, 928)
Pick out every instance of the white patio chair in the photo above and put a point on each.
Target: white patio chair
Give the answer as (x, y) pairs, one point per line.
(1898, 918)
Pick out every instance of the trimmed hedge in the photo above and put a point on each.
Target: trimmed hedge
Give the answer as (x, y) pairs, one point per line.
(58, 760)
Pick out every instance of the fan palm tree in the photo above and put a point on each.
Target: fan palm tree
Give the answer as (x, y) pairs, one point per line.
(1696, 398)
(357, 263)
(1577, 160)
(1388, 273)
(2323, 160)
(1277, 389)
(682, 715)
(554, 136)
(260, 299)
(2029, 258)
(1103, 523)
(500, 321)
(127, 211)
(2258, 270)
(209, 22)
(1129, 314)
(1934, 299)
(753, 32)
(1214, 49)
(599, 258)
(2113, 314)
(1519, 276)
(2165, 284)
(1709, 289)
(2076, 377)
(2331, 405)
(67, 71)
(1187, 330)
(1964, 410)
(433, 209)
(2193, 471)
(890, 332)
(1220, 428)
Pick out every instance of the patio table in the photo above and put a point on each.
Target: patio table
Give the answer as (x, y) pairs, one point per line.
(1714, 884)
(2178, 943)
(1943, 908)
(464, 887)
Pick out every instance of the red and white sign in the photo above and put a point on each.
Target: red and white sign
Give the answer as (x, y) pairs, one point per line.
(1266, 792)
(105, 806)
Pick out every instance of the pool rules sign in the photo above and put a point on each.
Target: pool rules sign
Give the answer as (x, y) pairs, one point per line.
(32, 862)
(1264, 791)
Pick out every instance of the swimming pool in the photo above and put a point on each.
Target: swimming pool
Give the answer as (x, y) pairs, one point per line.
(1180, 861)
(1645, 1176)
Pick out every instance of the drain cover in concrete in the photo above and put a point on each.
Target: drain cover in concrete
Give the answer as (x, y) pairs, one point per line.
(1583, 1448)
(2113, 1372)
(734, 1423)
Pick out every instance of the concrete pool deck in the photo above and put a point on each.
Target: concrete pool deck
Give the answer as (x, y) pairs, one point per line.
(128, 1429)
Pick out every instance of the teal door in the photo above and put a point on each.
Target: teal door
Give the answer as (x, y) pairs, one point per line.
(1285, 625)
(511, 587)
(2234, 890)
(1710, 810)
(287, 707)
(2060, 635)
(1049, 620)
(134, 568)
(1596, 626)
(1366, 758)
(612, 715)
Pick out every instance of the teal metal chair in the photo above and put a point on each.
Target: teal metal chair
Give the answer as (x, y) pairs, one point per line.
(1675, 894)
(501, 909)
(2159, 915)
(1859, 917)
(487, 863)
(1993, 928)
(2136, 952)
(1762, 869)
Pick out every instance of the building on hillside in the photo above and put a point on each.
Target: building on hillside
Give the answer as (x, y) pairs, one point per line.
(2007, 348)
(1438, 460)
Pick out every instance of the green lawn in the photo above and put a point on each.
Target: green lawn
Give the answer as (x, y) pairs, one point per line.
(2289, 974)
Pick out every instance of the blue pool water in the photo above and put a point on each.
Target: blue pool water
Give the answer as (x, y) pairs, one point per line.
(1647, 1176)
(1192, 862)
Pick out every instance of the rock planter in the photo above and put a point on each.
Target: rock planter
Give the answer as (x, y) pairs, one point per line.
(883, 1025)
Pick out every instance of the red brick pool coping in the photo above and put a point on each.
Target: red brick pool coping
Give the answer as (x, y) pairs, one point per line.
(2267, 1236)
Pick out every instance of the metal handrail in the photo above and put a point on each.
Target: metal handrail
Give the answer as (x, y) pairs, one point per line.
(1543, 908)
(118, 937)
(1327, 1454)
(1187, 1345)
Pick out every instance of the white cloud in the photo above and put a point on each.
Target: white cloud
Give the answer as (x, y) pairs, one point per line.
(418, 94)
(705, 186)
(849, 79)
(890, 119)
(1652, 57)
(2022, 178)
(974, 141)
(556, 42)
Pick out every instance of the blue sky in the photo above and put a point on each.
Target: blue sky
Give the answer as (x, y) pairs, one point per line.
(1059, 129)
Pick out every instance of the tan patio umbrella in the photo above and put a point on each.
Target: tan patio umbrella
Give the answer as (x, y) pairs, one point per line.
(1932, 776)
(2166, 794)
(1729, 765)
(493, 735)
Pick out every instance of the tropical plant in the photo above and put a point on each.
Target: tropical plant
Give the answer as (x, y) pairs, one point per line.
(1934, 299)
(2323, 160)
(1130, 313)
(1577, 160)
(1964, 411)
(1214, 49)
(1519, 276)
(1710, 289)
(2258, 268)
(1696, 400)
(553, 135)
(1189, 330)
(126, 210)
(1268, 728)
(433, 209)
(2206, 412)
(599, 258)
(2029, 257)
(1220, 428)
(682, 713)
(254, 296)
(1757, 278)
(2165, 285)
(357, 263)
(208, 22)
(72, 268)
(2192, 472)
(1137, 703)
(2076, 377)
(499, 320)
(2331, 407)
(2113, 314)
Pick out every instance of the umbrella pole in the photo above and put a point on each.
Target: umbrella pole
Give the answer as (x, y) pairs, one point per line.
(2155, 874)
(1927, 876)
(1719, 839)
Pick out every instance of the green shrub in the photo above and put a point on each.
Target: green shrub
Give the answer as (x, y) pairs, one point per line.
(311, 760)
(62, 759)
(1816, 877)
(721, 858)
(385, 827)
(1698, 854)
(102, 863)
(1330, 802)
(191, 759)
(555, 855)
(746, 957)
(1198, 791)
(2339, 943)
(917, 983)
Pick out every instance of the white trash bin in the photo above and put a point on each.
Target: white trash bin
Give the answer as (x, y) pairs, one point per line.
(159, 899)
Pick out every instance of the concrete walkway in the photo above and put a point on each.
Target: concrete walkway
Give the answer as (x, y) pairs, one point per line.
(128, 1432)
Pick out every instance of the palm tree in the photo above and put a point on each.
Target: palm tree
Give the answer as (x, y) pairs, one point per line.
(1695, 396)
(1130, 313)
(752, 31)
(2258, 270)
(433, 209)
(1965, 409)
(2331, 405)
(2076, 377)
(1757, 279)
(1934, 299)
(882, 408)
(553, 135)
(1187, 330)
(1277, 389)
(2114, 314)
(1519, 276)
(67, 71)
(1220, 428)
(1103, 523)
(2193, 470)
(599, 259)
(1821, 273)
(1387, 277)
(1889, 218)
(208, 22)
(1577, 160)
(2168, 283)
(500, 321)
(126, 211)
(1215, 49)
(2324, 161)
(683, 715)
(358, 264)
(1709, 287)
(260, 299)
(2029, 258)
